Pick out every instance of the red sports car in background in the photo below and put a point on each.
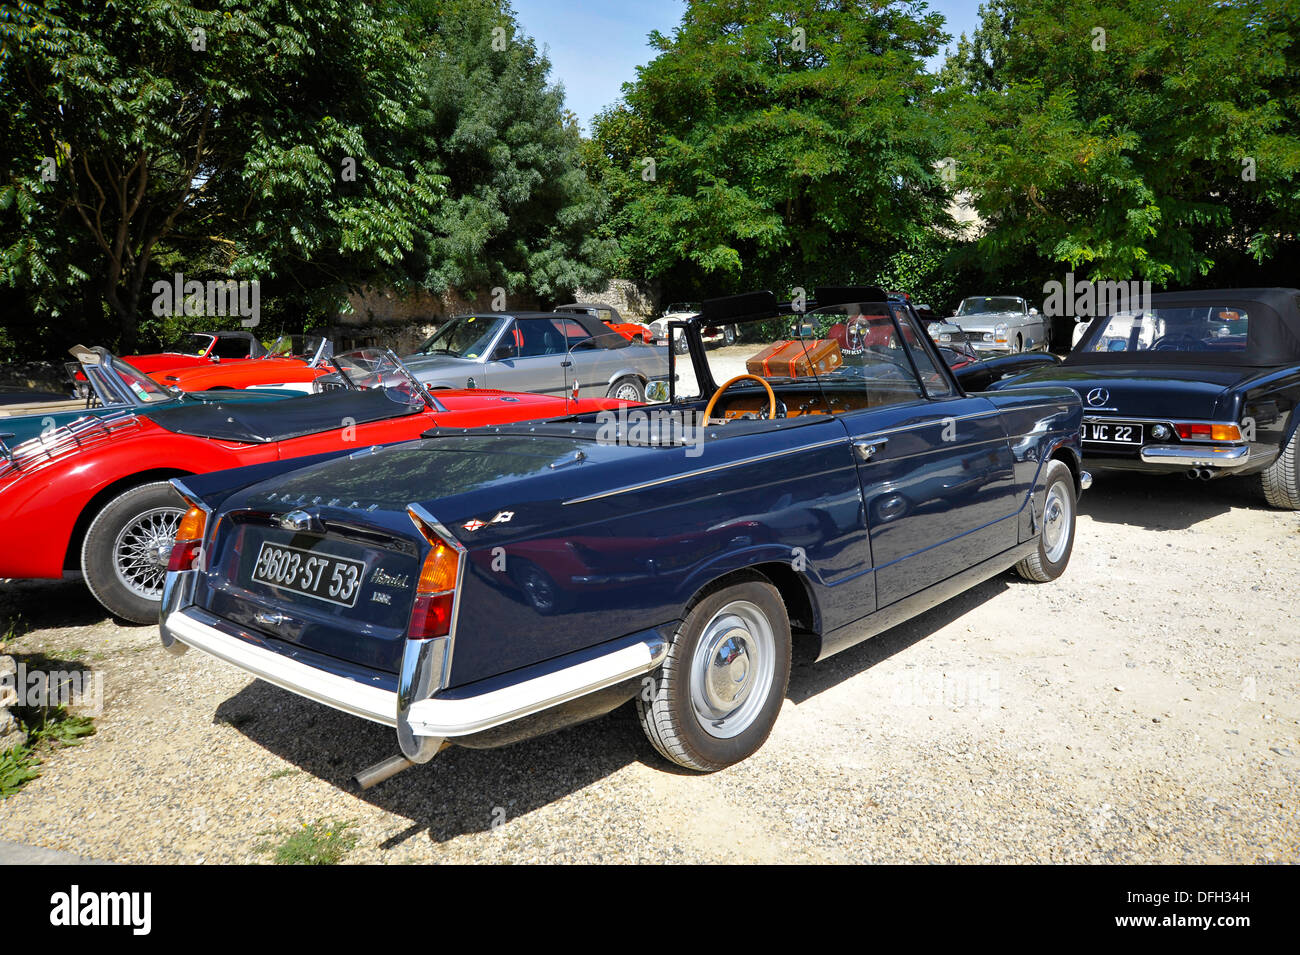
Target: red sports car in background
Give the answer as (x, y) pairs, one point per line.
(632, 331)
(293, 361)
(193, 350)
(93, 495)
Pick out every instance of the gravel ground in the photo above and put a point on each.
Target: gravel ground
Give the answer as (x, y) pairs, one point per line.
(1142, 709)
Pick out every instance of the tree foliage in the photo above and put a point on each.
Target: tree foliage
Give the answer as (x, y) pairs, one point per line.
(775, 143)
(1125, 138)
(312, 145)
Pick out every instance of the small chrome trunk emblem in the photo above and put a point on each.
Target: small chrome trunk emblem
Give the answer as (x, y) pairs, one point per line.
(299, 521)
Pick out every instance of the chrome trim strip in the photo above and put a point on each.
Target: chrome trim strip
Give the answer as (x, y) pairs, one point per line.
(843, 439)
(1154, 419)
(431, 719)
(1233, 456)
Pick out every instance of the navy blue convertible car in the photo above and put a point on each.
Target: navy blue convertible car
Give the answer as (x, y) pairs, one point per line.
(821, 479)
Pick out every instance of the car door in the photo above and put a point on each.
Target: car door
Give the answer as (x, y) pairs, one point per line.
(528, 357)
(936, 471)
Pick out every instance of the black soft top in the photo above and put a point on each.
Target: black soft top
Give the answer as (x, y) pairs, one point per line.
(262, 422)
(1272, 330)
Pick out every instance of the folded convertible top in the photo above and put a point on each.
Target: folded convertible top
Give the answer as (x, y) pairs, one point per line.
(262, 422)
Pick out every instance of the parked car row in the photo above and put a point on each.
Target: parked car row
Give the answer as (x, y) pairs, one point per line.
(472, 566)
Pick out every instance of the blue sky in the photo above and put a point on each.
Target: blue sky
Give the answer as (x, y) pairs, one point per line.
(595, 46)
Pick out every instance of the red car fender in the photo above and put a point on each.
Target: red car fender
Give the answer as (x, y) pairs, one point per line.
(40, 509)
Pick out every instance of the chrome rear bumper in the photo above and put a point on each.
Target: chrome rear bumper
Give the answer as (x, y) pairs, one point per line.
(422, 724)
(1231, 456)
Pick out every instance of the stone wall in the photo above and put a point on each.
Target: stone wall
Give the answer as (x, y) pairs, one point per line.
(632, 302)
(11, 731)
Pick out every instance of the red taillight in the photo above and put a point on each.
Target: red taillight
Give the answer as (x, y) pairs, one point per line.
(435, 594)
(189, 540)
(1197, 431)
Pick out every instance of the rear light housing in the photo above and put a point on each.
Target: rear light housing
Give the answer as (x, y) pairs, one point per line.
(188, 548)
(1206, 431)
(434, 609)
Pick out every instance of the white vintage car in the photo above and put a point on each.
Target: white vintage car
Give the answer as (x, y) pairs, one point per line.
(1001, 324)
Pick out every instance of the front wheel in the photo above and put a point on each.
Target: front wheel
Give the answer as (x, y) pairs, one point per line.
(124, 557)
(716, 697)
(1056, 528)
(627, 388)
(1280, 481)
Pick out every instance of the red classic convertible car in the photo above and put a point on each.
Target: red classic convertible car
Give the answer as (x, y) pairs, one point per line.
(93, 494)
(200, 349)
(293, 361)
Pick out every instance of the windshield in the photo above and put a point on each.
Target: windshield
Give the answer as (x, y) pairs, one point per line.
(867, 348)
(679, 307)
(295, 346)
(194, 344)
(465, 337)
(981, 306)
(1217, 328)
(377, 368)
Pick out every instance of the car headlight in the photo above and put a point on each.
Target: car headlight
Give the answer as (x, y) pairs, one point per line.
(988, 336)
(1000, 332)
(945, 337)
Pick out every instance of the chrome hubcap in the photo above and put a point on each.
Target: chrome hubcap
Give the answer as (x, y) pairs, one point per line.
(627, 393)
(732, 669)
(1056, 523)
(142, 548)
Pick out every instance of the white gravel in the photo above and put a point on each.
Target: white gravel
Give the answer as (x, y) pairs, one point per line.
(1142, 709)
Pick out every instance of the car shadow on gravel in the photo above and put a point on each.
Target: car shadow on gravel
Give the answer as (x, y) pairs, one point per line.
(808, 679)
(460, 791)
(1166, 503)
(47, 604)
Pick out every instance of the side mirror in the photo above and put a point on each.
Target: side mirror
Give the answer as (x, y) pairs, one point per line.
(503, 353)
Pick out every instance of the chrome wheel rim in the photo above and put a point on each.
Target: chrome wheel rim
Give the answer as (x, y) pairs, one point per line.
(1056, 522)
(732, 669)
(627, 393)
(142, 548)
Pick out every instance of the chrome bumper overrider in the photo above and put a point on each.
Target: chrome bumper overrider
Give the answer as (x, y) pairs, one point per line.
(422, 722)
(1233, 456)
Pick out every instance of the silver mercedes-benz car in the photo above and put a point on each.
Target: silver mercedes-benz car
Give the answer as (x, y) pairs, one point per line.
(1001, 324)
(541, 352)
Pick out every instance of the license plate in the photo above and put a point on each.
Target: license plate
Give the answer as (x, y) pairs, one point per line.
(1110, 432)
(335, 580)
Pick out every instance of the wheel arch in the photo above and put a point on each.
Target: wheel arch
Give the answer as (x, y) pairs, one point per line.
(72, 557)
(800, 604)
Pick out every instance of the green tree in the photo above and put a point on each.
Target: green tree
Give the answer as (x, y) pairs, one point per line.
(219, 136)
(1126, 138)
(520, 211)
(775, 143)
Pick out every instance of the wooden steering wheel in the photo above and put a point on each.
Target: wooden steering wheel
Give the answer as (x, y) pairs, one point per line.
(771, 397)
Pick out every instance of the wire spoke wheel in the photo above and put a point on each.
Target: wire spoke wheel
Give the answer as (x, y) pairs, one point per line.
(141, 549)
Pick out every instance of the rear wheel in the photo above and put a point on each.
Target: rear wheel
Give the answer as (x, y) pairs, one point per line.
(1280, 481)
(1056, 530)
(627, 388)
(124, 557)
(716, 697)
(1020, 344)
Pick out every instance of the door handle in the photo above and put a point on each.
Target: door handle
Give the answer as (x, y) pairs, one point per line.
(867, 447)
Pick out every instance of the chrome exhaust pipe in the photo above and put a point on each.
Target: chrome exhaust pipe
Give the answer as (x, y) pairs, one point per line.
(376, 774)
(1206, 474)
(1193, 473)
